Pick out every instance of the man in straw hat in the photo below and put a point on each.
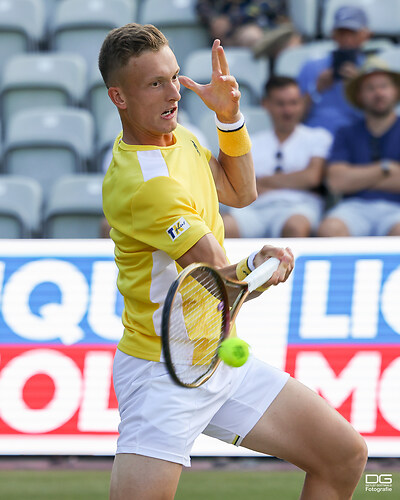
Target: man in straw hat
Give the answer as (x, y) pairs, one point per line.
(364, 164)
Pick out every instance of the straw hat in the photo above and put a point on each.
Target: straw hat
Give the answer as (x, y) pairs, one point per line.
(371, 66)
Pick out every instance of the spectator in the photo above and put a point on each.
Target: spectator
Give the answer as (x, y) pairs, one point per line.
(262, 25)
(288, 162)
(322, 80)
(365, 159)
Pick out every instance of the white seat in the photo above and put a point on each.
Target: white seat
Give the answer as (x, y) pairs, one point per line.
(290, 61)
(54, 142)
(304, 15)
(108, 132)
(74, 208)
(178, 20)
(20, 207)
(42, 80)
(80, 27)
(100, 104)
(250, 73)
(22, 24)
(383, 15)
(391, 57)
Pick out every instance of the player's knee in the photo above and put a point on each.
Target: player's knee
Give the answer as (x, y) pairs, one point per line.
(346, 472)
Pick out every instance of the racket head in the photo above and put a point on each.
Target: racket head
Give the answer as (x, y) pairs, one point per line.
(195, 320)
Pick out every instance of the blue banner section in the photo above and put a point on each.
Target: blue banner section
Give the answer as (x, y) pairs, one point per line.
(345, 299)
(59, 300)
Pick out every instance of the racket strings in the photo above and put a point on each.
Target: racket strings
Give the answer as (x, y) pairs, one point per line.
(196, 325)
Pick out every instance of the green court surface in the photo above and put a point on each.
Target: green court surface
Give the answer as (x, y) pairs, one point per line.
(194, 485)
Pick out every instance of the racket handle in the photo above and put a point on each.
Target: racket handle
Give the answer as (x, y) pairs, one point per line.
(262, 273)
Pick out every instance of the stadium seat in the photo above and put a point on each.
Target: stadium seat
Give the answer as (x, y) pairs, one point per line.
(22, 24)
(178, 20)
(20, 207)
(99, 103)
(391, 57)
(74, 208)
(290, 61)
(250, 73)
(304, 15)
(42, 80)
(110, 128)
(383, 15)
(54, 142)
(256, 117)
(80, 27)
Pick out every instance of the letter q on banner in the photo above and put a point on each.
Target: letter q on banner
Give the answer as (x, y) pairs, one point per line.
(65, 402)
(55, 320)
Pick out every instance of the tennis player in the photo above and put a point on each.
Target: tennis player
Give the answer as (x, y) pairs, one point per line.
(160, 197)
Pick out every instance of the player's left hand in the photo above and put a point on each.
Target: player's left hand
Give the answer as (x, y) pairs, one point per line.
(222, 94)
(286, 265)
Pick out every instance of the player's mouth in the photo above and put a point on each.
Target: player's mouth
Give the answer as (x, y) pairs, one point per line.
(170, 113)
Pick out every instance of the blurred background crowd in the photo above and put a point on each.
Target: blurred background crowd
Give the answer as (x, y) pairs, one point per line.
(320, 84)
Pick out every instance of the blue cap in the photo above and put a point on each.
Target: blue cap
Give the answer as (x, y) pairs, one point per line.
(351, 18)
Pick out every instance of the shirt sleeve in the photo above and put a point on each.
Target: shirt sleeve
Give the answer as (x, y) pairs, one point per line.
(165, 218)
(340, 148)
(322, 143)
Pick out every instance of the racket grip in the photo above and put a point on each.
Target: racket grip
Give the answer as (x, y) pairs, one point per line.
(262, 273)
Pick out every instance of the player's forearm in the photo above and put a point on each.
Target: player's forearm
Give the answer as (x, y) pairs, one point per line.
(345, 179)
(237, 183)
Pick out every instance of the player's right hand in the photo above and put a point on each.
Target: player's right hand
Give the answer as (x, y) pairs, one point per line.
(286, 265)
(222, 94)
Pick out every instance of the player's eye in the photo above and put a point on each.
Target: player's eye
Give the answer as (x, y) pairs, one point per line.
(156, 84)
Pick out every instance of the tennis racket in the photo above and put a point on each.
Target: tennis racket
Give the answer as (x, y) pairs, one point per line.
(197, 317)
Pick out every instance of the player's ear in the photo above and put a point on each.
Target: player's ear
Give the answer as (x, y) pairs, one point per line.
(117, 97)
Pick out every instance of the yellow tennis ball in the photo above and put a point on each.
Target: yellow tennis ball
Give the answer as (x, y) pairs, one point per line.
(234, 351)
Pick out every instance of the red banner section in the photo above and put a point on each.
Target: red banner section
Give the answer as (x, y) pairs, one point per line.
(361, 382)
(57, 391)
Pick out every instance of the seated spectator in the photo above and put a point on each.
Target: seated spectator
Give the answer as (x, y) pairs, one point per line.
(288, 162)
(364, 164)
(262, 25)
(322, 80)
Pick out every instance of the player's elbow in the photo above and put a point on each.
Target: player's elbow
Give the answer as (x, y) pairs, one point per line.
(246, 198)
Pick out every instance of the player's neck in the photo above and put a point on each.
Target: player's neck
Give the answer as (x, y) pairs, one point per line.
(143, 139)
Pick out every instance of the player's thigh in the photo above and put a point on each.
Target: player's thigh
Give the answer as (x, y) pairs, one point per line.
(136, 477)
(303, 429)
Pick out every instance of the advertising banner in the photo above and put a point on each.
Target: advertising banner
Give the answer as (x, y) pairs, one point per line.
(335, 326)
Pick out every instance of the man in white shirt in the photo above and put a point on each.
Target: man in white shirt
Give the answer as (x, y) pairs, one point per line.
(289, 163)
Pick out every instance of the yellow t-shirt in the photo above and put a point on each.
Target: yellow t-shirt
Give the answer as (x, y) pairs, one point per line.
(159, 201)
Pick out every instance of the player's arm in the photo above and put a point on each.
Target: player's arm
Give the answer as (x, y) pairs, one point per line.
(308, 178)
(233, 171)
(209, 251)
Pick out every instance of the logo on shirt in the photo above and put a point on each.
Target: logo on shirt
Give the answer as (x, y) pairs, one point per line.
(179, 227)
(195, 147)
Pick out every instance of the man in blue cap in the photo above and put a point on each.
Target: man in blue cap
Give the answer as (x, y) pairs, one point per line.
(322, 80)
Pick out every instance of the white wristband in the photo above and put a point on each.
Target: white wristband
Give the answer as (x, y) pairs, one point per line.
(230, 127)
(250, 260)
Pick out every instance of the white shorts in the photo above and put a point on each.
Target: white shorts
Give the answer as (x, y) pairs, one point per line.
(267, 217)
(367, 217)
(159, 419)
